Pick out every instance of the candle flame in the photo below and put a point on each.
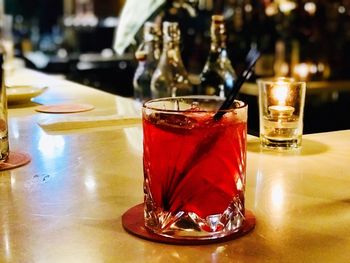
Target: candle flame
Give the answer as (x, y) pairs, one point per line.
(280, 92)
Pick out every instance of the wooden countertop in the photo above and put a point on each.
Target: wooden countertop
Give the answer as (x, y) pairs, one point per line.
(66, 205)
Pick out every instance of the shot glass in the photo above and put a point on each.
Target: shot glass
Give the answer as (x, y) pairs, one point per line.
(281, 110)
(194, 167)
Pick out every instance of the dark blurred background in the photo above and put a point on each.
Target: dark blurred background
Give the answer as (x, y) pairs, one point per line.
(306, 39)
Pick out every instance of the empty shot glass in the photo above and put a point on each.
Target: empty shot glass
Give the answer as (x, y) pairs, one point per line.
(281, 110)
(194, 167)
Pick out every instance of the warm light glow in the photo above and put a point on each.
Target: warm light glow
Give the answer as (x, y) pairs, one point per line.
(320, 67)
(259, 186)
(280, 92)
(215, 256)
(13, 181)
(302, 70)
(313, 69)
(341, 9)
(277, 197)
(271, 10)
(284, 69)
(310, 7)
(248, 8)
(271, 194)
(6, 242)
(287, 6)
(90, 184)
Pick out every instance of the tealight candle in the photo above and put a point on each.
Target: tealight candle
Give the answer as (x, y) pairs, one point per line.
(281, 111)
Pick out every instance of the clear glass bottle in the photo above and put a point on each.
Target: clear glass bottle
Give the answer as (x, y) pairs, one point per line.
(148, 56)
(152, 42)
(4, 140)
(170, 79)
(142, 78)
(218, 75)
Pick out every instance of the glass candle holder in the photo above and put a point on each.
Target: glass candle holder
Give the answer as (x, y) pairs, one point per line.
(281, 111)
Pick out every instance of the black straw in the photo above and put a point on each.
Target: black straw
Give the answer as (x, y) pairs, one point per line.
(251, 59)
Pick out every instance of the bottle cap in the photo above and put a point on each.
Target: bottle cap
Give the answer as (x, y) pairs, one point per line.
(171, 31)
(218, 19)
(141, 55)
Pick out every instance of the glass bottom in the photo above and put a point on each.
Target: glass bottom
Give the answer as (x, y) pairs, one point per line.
(188, 225)
(280, 143)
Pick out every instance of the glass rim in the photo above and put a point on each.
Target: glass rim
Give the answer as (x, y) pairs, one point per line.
(145, 105)
(272, 80)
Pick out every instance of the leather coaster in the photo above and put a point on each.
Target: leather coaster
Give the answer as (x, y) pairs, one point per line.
(64, 108)
(15, 159)
(133, 223)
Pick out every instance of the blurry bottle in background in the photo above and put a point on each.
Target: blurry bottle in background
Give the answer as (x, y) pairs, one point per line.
(152, 42)
(281, 66)
(4, 140)
(218, 75)
(25, 35)
(6, 38)
(170, 78)
(147, 56)
(142, 78)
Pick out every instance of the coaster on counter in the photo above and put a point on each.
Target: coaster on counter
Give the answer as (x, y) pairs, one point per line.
(64, 108)
(15, 159)
(133, 223)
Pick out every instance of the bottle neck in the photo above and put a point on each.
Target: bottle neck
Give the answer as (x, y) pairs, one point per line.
(171, 45)
(217, 45)
(171, 51)
(141, 62)
(218, 35)
(152, 49)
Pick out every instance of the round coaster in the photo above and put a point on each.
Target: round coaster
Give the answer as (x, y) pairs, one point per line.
(64, 108)
(133, 223)
(15, 159)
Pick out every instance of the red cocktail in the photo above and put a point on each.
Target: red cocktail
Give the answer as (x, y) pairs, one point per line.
(194, 167)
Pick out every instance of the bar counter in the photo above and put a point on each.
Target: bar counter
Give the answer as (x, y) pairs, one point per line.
(66, 204)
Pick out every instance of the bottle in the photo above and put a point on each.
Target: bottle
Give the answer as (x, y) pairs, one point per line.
(218, 75)
(148, 56)
(170, 79)
(142, 78)
(152, 42)
(4, 140)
